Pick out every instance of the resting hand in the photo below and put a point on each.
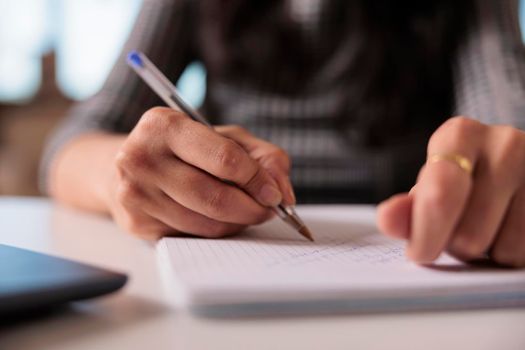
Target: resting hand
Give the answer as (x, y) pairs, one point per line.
(168, 178)
(471, 216)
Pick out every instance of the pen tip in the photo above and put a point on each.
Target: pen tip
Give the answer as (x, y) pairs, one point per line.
(306, 233)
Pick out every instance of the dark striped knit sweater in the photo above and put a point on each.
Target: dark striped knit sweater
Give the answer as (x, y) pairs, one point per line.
(329, 165)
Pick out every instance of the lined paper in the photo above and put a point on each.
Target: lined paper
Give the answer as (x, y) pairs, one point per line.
(275, 246)
(349, 259)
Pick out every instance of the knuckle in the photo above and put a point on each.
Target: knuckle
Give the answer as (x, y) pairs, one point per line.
(462, 124)
(512, 139)
(467, 248)
(229, 157)
(157, 119)
(151, 119)
(282, 155)
(121, 161)
(133, 160)
(156, 111)
(512, 147)
(455, 130)
(177, 123)
(128, 193)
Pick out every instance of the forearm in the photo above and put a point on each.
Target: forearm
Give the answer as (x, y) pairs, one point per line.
(82, 172)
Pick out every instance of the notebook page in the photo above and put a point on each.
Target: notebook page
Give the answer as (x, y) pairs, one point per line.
(348, 254)
(275, 246)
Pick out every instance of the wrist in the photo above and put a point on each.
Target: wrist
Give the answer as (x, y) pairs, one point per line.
(106, 181)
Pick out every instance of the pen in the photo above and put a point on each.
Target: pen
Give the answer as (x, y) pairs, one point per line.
(158, 82)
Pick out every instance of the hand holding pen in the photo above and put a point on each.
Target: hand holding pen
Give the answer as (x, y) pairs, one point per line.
(171, 172)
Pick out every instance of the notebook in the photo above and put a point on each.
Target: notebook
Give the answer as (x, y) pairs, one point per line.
(350, 267)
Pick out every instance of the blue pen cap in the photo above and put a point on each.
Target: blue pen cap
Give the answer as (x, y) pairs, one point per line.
(134, 59)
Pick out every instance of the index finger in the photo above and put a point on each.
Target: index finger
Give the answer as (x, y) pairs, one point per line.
(202, 147)
(442, 190)
(271, 157)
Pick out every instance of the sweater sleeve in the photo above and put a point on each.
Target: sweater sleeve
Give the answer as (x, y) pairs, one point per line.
(162, 31)
(490, 67)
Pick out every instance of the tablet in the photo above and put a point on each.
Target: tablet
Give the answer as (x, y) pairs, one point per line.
(30, 281)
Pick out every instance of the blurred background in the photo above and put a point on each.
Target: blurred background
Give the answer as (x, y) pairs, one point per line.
(56, 52)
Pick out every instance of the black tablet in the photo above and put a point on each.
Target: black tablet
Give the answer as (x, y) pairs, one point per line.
(30, 281)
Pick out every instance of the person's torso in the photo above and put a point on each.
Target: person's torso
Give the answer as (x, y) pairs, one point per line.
(329, 83)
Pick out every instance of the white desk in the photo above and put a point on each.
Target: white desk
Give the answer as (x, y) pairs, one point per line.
(140, 317)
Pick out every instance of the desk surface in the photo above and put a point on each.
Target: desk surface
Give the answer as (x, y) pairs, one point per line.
(140, 316)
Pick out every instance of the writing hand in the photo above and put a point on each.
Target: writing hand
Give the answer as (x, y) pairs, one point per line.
(170, 176)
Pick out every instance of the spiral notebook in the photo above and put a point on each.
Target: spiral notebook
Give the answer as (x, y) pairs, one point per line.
(350, 267)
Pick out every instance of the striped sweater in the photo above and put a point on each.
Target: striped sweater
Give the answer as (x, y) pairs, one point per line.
(488, 85)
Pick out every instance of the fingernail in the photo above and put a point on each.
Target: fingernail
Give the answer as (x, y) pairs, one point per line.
(270, 195)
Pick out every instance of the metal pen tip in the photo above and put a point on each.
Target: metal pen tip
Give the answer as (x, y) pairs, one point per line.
(289, 215)
(303, 230)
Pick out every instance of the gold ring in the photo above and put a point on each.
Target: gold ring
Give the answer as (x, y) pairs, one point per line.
(463, 162)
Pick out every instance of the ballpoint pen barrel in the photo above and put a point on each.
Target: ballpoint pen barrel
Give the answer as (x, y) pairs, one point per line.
(168, 93)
